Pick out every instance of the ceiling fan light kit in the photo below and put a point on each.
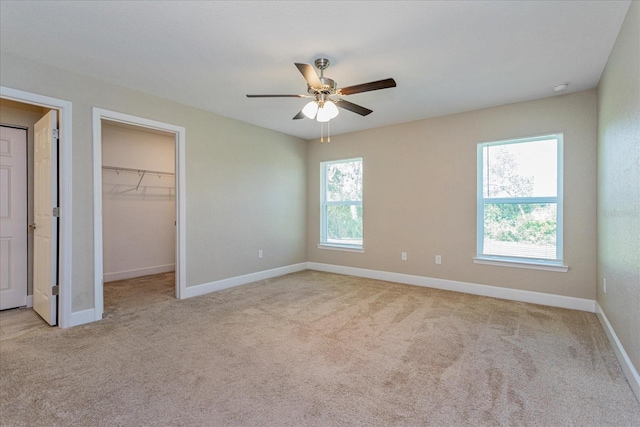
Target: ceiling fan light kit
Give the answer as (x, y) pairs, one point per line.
(327, 112)
(310, 110)
(326, 95)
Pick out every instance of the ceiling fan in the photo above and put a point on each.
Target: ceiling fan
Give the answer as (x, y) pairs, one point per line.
(326, 96)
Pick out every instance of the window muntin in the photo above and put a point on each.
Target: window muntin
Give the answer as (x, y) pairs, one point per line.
(520, 200)
(341, 203)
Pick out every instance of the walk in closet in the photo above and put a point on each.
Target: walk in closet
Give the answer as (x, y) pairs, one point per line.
(138, 201)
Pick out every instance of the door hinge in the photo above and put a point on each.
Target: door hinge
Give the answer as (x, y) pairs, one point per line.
(56, 212)
(55, 290)
(54, 132)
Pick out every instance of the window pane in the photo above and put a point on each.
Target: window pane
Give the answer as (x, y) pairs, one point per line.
(525, 169)
(344, 224)
(344, 181)
(520, 230)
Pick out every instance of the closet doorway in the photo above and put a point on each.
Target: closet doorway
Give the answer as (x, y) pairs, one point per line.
(139, 211)
(138, 215)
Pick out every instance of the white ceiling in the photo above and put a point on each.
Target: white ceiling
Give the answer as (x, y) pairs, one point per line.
(446, 56)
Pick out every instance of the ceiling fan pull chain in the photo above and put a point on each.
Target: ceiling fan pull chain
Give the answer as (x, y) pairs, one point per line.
(329, 132)
(321, 133)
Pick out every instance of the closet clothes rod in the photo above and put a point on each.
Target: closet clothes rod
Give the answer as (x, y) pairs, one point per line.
(143, 171)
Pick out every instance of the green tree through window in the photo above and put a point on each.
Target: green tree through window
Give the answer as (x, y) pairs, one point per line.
(519, 196)
(341, 197)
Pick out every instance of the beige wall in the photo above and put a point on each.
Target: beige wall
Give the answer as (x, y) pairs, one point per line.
(420, 193)
(245, 186)
(23, 115)
(619, 186)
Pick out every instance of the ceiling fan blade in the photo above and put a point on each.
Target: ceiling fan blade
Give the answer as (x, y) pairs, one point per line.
(300, 115)
(277, 96)
(309, 75)
(353, 107)
(367, 87)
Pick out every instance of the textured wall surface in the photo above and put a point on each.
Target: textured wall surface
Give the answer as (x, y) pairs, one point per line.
(245, 185)
(420, 193)
(619, 186)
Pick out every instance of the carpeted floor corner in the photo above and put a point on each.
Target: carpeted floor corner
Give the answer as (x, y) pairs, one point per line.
(318, 349)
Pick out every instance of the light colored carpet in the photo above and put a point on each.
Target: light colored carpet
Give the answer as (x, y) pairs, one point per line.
(318, 349)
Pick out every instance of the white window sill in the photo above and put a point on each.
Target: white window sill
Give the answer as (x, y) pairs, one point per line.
(521, 264)
(333, 247)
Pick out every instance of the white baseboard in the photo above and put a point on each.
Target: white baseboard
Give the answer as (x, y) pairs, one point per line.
(82, 317)
(465, 287)
(205, 288)
(627, 367)
(138, 272)
(29, 301)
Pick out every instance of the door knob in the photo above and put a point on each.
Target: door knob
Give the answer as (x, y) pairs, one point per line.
(32, 226)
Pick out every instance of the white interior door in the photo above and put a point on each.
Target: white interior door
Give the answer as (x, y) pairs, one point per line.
(13, 217)
(45, 241)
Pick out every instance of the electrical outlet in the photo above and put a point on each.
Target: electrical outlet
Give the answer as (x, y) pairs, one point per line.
(604, 285)
(259, 253)
(438, 259)
(404, 256)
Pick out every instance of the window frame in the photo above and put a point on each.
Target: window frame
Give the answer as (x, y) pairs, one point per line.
(324, 204)
(516, 261)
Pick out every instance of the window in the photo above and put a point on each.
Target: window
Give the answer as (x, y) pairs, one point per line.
(520, 201)
(341, 204)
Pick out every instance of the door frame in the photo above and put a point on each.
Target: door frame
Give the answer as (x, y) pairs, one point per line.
(98, 115)
(65, 253)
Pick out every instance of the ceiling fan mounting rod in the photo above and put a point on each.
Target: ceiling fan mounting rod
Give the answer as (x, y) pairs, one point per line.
(322, 64)
(328, 85)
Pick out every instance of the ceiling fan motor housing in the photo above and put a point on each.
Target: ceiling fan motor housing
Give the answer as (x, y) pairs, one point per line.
(328, 87)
